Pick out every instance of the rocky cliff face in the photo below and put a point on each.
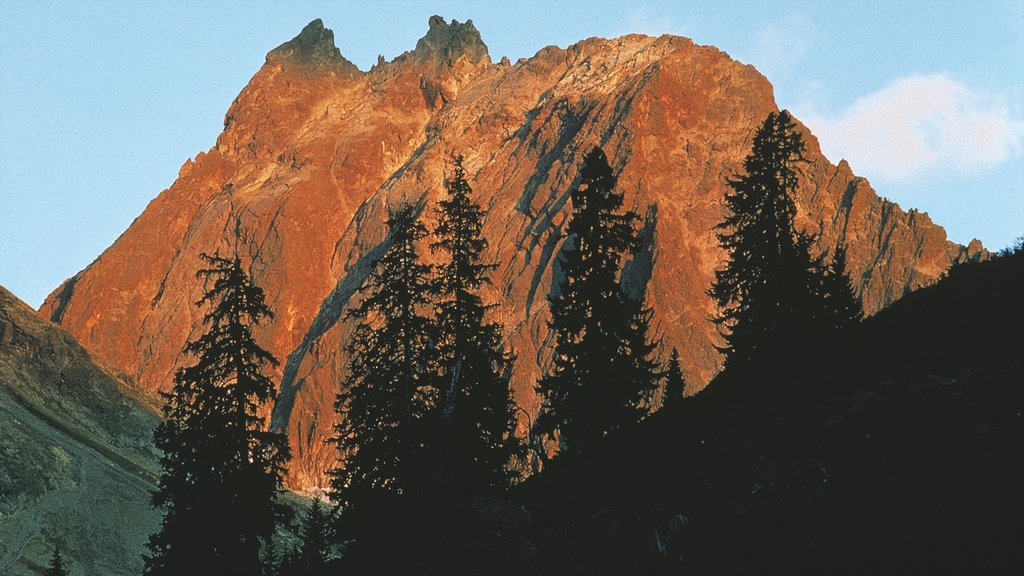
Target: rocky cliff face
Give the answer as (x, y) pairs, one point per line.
(315, 152)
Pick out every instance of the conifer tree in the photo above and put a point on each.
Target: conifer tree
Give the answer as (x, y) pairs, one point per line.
(769, 290)
(271, 558)
(842, 301)
(675, 387)
(222, 471)
(390, 383)
(316, 535)
(475, 410)
(602, 376)
(56, 565)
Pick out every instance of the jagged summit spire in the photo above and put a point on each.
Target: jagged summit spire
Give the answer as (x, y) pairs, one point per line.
(449, 41)
(314, 46)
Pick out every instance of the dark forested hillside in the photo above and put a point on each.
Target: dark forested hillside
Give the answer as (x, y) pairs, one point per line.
(893, 449)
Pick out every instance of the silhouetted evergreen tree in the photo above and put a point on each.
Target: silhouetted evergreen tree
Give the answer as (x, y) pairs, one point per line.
(316, 536)
(221, 469)
(840, 297)
(475, 412)
(675, 387)
(56, 565)
(769, 291)
(602, 376)
(272, 562)
(388, 391)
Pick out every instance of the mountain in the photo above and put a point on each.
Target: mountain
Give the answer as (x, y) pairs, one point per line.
(77, 462)
(315, 152)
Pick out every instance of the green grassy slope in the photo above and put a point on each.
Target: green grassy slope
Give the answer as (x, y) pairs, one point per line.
(77, 462)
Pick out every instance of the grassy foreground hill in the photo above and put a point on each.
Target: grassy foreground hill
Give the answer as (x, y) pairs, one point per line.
(77, 461)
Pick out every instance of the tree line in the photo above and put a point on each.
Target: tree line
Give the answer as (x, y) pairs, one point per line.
(427, 423)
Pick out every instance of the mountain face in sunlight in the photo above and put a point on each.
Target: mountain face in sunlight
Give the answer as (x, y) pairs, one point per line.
(315, 153)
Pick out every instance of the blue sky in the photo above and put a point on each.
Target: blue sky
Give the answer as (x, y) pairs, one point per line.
(101, 102)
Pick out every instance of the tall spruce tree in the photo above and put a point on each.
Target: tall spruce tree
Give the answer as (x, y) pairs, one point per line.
(272, 562)
(390, 385)
(56, 567)
(769, 290)
(222, 471)
(602, 375)
(475, 411)
(675, 386)
(843, 303)
(316, 536)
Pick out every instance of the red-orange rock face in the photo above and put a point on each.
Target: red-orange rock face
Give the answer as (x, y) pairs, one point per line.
(315, 152)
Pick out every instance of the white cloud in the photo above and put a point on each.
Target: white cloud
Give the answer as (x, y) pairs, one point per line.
(921, 123)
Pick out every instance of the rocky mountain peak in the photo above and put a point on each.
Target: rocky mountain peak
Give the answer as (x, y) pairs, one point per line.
(448, 42)
(314, 47)
(313, 162)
